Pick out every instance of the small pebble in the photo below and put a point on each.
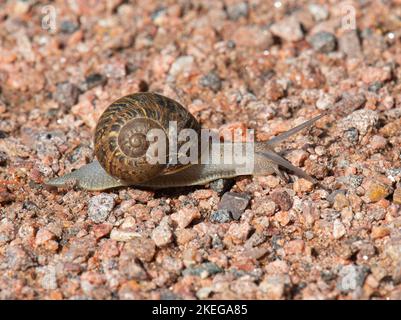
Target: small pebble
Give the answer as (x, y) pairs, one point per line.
(288, 29)
(297, 157)
(68, 27)
(332, 196)
(252, 36)
(350, 102)
(375, 86)
(185, 216)
(115, 69)
(271, 181)
(377, 191)
(309, 235)
(221, 216)
(338, 229)
(362, 120)
(378, 142)
(123, 235)
(303, 185)
(340, 201)
(274, 286)
(235, 203)
(184, 236)
(391, 129)
(325, 101)
(203, 271)
(237, 10)
(211, 80)
(283, 217)
(162, 235)
(320, 151)
(319, 12)
(203, 293)
(182, 66)
(100, 207)
(6, 197)
(351, 277)
(273, 90)
(43, 236)
(93, 80)
(265, 208)
(323, 41)
(102, 230)
(352, 135)
(66, 94)
(294, 247)
(237, 233)
(374, 75)
(282, 199)
(379, 232)
(143, 248)
(393, 250)
(388, 102)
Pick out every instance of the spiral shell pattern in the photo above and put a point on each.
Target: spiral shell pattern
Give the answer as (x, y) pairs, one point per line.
(120, 136)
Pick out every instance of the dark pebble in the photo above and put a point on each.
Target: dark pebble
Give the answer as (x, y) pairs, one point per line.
(323, 41)
(217, 243)
(158, 12)
(66, 94)
(93, 80)
(328, 275)
(220, 216)
(352, 135)
(3, 158)
(3, 135)
(208, 267)
(143, 86)
(231, 44)
(235, 203)
(6, 197)
(211, 80)
(29, 205)
(375, 86)
(282, 199)
(68, 27)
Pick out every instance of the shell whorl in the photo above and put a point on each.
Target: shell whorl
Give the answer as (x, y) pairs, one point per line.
(120, 136)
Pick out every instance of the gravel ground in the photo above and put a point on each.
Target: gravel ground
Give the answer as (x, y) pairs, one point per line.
(258, 64)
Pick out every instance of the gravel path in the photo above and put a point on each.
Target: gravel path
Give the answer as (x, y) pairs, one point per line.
(259, 64)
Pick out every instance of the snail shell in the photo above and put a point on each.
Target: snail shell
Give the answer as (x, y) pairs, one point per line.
(121, 135)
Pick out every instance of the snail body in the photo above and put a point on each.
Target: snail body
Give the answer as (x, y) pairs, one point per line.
(121, 149)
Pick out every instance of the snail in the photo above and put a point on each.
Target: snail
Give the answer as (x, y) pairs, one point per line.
(121, 146)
